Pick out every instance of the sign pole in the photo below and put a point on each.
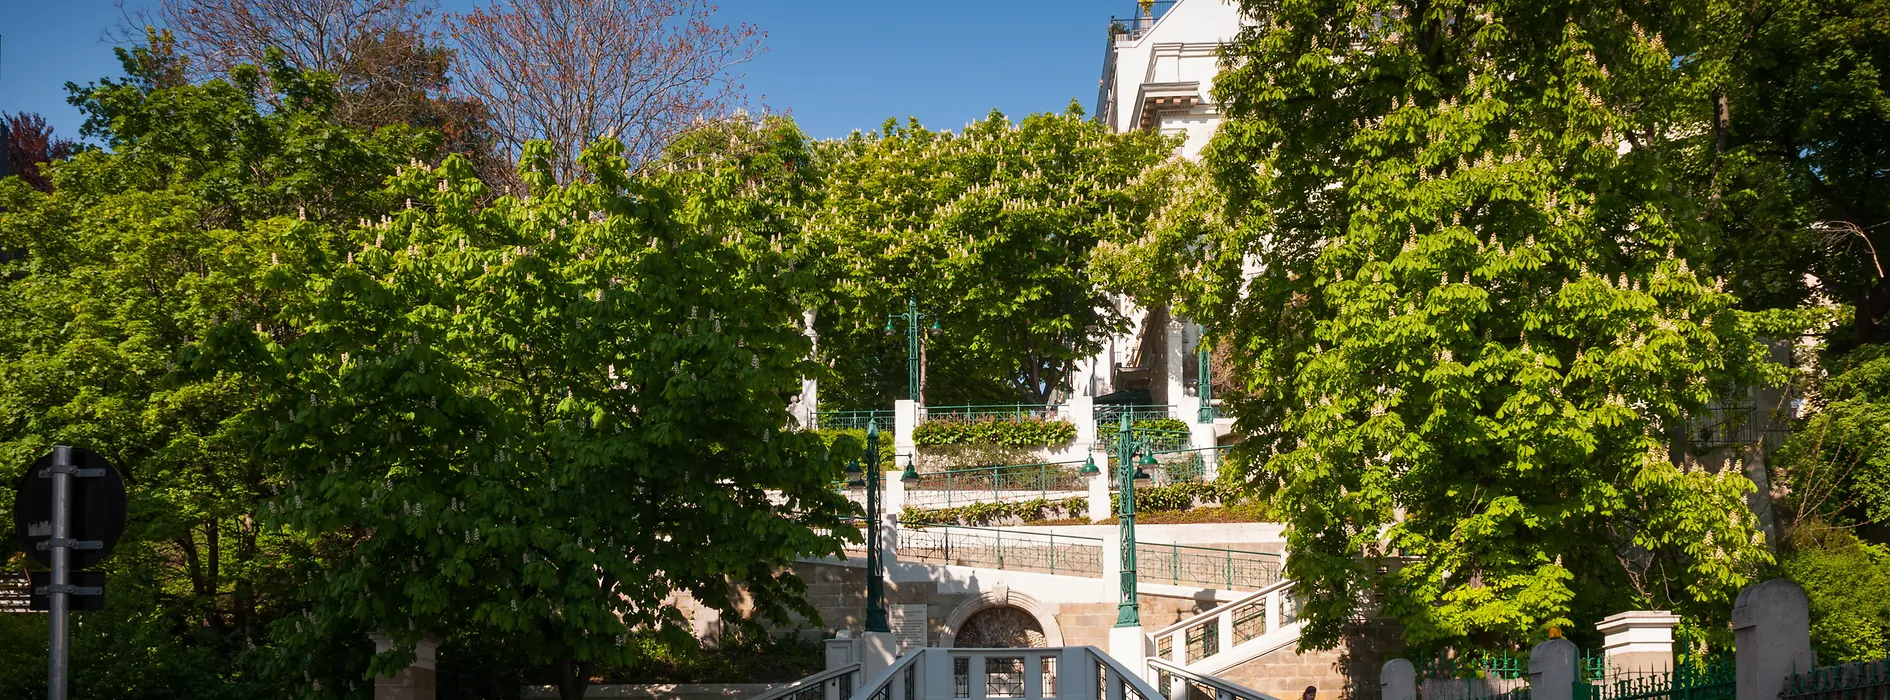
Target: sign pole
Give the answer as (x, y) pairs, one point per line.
(61, 570)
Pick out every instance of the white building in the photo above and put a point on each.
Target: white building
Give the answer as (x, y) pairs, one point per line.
(1158, 74)
(1159, 67)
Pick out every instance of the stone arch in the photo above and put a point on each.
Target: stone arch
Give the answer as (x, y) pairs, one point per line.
(1002, 597)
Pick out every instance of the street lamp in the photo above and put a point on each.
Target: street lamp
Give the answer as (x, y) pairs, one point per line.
(869, 480)
(913, 320)
(1128, 608)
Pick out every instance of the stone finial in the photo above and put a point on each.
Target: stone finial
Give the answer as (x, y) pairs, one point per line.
(1640, 640)
(1772, 637)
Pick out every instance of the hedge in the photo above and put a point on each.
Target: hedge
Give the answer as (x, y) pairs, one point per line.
(982, 514)
(1005, 433)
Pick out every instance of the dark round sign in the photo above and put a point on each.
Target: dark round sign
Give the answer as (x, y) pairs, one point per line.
(97, 509)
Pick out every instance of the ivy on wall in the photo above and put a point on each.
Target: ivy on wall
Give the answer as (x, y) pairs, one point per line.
(1005, 433)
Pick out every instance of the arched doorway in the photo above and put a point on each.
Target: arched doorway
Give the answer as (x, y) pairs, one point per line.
(1001, 627)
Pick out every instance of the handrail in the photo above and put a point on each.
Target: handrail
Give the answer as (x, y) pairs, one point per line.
(809, 683)
(1130, 680)
(1216, 611)
(1223, 689)
(1217, 550)
(872, 687)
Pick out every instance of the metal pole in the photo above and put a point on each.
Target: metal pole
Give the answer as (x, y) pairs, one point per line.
(1128, 608)
(875, 583)
(912, 349)
(56, 671)
(1204, 385)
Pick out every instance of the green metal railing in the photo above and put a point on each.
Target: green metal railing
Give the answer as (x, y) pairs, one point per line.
(995, 548)
(978, 412)
(1108, 415)
(1217, 567)
(852, 420)
(1001, 483)
(1868, 680)
(1711, 678)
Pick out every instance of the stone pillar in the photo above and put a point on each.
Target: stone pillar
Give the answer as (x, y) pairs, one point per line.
(1081, 411)
(1132, 646)
(414, 682)
(905, 418)
(1099, 509)
(1173, 355)
(888, 540)
(877, 651)
(1552, 670)
(1771, 638)
(1639, 640)
(1112, 561)
(1201, 437)
(1397, 680)
(843, 649)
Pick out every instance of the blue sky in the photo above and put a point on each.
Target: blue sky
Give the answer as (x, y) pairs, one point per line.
(835, 65)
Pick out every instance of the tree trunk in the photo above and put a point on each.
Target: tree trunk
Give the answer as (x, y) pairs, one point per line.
(1871, 307)
(573, 678)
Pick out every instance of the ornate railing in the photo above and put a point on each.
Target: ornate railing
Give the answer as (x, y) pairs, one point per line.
(1867, 680)
(1006, 483)
(1199, 685)
(853, 420)
(1228, 627)
(978, 412)
(1109, 416)
(1213, 567)
(1002, 549)
(831, 683)
(1711, 678)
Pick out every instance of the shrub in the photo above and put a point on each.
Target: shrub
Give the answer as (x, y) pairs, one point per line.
(1848, 583)
(1007, 433)
(997, 513)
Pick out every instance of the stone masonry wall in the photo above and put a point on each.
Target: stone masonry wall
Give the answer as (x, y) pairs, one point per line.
(1349, 672)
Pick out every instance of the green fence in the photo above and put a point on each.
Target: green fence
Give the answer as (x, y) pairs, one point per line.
(1710, 678)
(1003, 483)
(978, 412)
(855, 420)
(1867, 680)
(995, 548)
(1215, 567)
(1109, 416)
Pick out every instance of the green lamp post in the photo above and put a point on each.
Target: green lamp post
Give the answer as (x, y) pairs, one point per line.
(1128, 607)
(914, 320)
(875, 581)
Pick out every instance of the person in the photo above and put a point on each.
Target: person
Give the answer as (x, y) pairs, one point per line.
(1312, 693)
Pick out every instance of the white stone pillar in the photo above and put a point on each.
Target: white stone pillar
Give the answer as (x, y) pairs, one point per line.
(1173, 354)
(1771, 638)
(1639, 640)
(905, 418)
(1081, 411)
(1099, 488)
(1112, 561)
(877, 651)
(1132, 647)
(1552, 670)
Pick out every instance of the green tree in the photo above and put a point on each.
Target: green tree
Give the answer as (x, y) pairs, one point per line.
(1472, 324)
(540, 418)
(139, 252)
(992, 231)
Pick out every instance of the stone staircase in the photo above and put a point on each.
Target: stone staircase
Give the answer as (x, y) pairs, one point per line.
(1055, 673)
